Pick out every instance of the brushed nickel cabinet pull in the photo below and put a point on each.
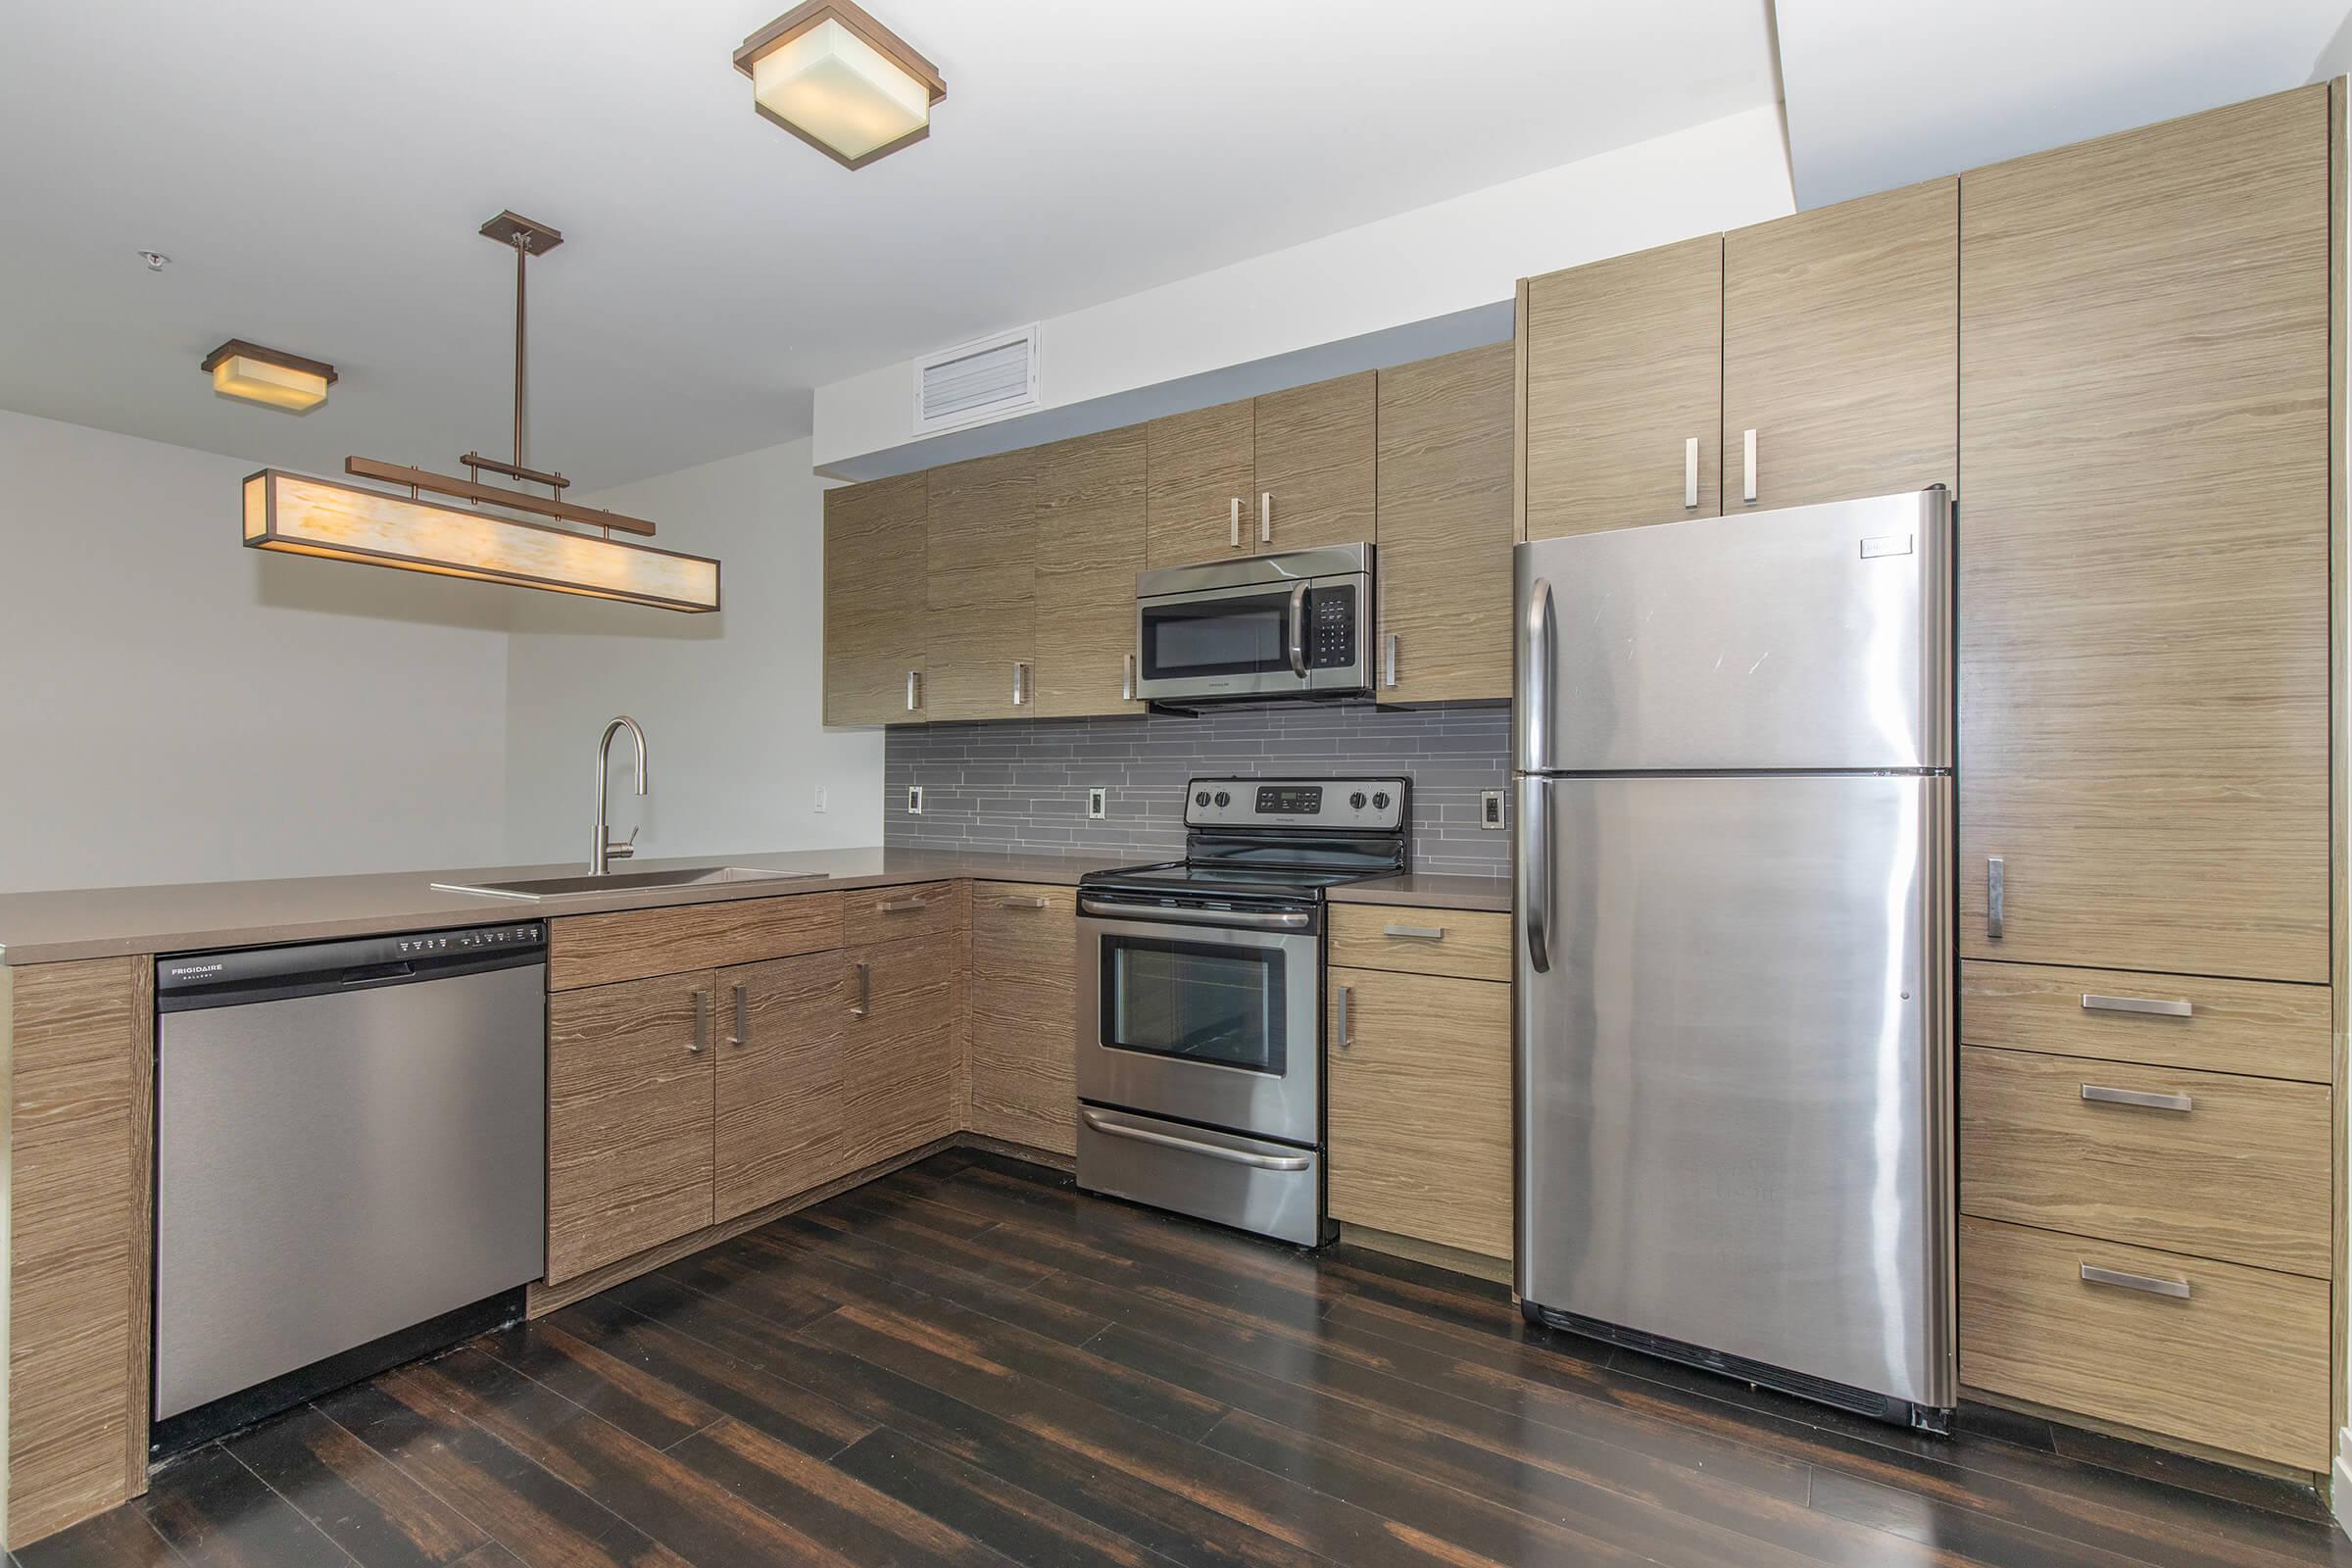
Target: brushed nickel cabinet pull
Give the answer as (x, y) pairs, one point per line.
(2093, 1003)
(1748, 462)
(1265, 517)
(914, 690)
(1341, 1025)
(1387, 661)
(702, 1022)
(1020, 904)
(1020, 683)
(1992, 897)
(1417, 933)
(743, 1021)
(1127, 684)
(1236, 523)
(2141, 1098)
(900, 905)
(864, 1005)
(1690, 475)
(2152, 1284)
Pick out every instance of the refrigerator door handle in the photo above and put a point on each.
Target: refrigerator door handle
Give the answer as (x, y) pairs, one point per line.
(1536, 683)
(1534, 876)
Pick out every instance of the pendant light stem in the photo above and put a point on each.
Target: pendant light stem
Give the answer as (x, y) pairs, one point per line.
(522, 258)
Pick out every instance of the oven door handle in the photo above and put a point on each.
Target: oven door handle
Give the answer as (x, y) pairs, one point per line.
(1240, 920)
(1299, 631)
(1239, 1156)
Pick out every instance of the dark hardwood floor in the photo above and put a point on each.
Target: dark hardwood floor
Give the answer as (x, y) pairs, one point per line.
(967, 1362)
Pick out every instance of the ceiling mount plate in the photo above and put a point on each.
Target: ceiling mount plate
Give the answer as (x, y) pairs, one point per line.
(515, 229)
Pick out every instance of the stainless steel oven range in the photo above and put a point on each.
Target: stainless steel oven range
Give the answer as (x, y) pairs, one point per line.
(1200, 1011)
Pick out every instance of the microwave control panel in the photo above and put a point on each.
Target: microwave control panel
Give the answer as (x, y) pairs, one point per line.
(1331, 631)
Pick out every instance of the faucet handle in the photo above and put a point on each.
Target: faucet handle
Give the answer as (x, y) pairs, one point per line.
(622, 851)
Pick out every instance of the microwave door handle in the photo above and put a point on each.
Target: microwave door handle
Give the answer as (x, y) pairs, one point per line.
(1299, 631)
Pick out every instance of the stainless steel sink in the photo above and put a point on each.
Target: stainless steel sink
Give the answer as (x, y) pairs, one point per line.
(572, 887)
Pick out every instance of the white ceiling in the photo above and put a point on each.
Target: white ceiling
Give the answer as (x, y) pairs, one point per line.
(1885, 92)
(317, 171)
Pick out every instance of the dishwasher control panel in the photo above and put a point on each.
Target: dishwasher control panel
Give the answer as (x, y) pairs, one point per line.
(184, 979)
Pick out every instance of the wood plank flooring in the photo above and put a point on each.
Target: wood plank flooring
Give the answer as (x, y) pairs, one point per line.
(967, 1362)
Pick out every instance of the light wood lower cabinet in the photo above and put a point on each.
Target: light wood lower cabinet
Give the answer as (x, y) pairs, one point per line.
(2165, 1020)
(1024, 1014)
(629, 1118)
(2220, 1355)
(1467, 943)
(898, 1048)
(1419, 1119)
(875, 549)
(595, 950)
(779, 1091)
(1445, 528)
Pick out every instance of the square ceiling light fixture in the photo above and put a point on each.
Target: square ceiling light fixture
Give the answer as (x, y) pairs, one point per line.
(243, 369)
(841, 82)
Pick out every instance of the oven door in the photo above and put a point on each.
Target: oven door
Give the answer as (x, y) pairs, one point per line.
(1216, 1024)
(1261, 640)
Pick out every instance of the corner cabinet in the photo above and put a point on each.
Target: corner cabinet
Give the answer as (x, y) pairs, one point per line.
(875, 543)
(1025, 1015)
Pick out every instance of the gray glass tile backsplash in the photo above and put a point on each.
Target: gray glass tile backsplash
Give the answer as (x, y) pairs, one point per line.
(1021, 786)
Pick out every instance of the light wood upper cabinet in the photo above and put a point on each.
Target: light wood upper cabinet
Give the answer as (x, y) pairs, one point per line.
(1199, 501)
(1090, 530)
(979, 639)
(874, 540)
(1024, 1014)
(1841, 350)
(2143, 579)
(629, 1114)
(1624, 370)
(1314, 464)
(1445, 528)
(779, 1080)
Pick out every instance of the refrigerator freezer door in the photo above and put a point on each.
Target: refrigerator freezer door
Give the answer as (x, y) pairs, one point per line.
(1813, 638)
(1735, 1101)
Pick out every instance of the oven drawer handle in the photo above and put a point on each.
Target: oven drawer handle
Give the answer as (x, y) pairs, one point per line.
(1239, 919)
(1238, 1156)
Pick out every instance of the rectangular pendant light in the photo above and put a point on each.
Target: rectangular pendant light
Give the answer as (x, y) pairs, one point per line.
(243, 369)
(841, 82)
(300, 516)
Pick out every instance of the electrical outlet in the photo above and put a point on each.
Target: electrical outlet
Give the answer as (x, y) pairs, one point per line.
(1490, 810)
(1098, 804)
(915, 800)
(819, 802)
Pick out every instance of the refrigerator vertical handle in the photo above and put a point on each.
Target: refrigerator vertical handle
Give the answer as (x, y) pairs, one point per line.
(1535, 689)
(1535, 873)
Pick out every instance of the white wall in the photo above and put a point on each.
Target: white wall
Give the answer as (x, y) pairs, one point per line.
(175, 707)
(731, 703)
(1452, 256)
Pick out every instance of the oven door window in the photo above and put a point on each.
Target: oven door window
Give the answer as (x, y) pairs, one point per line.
(1196, 1002)
(1245, 634)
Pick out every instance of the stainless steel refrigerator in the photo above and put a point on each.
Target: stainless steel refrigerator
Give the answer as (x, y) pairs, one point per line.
(1735, 948)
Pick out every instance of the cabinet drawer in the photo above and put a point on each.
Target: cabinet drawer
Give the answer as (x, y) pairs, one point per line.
(2267, 1028)
(594, 950)
(2206, 1163)
(1465, 944)
(2239, 1364)
(891, 915)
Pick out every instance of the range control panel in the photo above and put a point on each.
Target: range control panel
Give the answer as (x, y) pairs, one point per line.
(1364, 805)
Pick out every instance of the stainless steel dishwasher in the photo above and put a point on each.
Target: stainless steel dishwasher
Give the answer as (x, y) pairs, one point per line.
(350, 1162)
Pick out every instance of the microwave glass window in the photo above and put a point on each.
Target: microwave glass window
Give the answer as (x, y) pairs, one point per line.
(1217, 637)
(1195, 1001)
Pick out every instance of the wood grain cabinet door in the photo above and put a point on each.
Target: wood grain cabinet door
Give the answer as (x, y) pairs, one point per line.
(1199, 499)
(1090, 529)
(979, 585)
(1841, 350)
(1024, 1011)
(898, 1047)
(1624, 373)
(1445, 528)
(779, 1090)
(628, 1119)
(874, 541)
(1315, 457)
(2143, 578)
(1420, 1107)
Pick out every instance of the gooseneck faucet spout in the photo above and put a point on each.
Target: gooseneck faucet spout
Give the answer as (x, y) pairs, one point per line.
(606, 851)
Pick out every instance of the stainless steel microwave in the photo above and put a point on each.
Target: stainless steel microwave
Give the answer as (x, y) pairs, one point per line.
(1295, 623)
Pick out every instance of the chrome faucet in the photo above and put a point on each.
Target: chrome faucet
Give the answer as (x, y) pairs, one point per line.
(607, 851)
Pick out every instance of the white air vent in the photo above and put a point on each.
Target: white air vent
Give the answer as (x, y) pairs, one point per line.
(988, 378)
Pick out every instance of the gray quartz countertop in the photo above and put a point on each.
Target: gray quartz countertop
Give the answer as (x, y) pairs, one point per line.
(1432, 892)
(113, 922)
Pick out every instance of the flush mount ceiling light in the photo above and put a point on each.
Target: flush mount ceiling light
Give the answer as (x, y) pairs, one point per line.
(326, 518)
(841, 82)
(243, 369)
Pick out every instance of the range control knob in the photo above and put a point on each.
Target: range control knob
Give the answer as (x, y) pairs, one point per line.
(1356, 800)
(1200, 799)
(1380, 802)
(1224, 799)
